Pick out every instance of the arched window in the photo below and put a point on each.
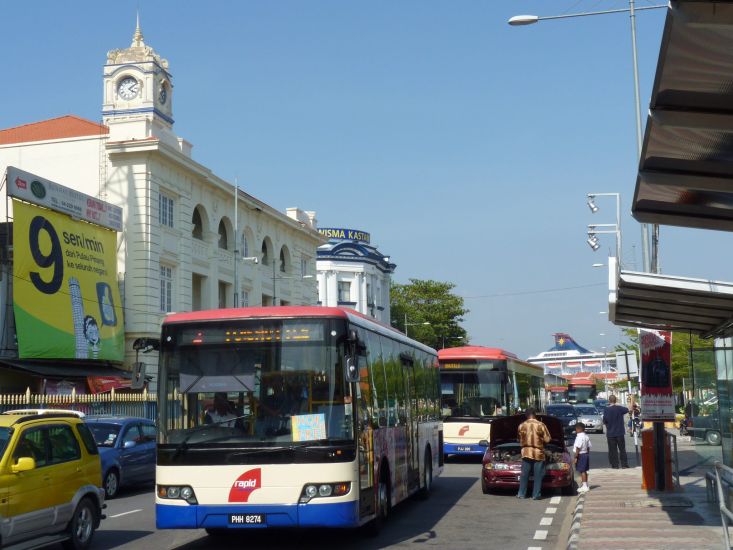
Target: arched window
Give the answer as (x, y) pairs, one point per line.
(265, 253)
(198, 225)
(284, 259)
(223, 243)
(244, 249)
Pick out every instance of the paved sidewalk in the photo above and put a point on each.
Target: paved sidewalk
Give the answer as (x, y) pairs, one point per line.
(617, 514)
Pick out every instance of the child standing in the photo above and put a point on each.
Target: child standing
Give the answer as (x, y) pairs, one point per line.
(582, 459)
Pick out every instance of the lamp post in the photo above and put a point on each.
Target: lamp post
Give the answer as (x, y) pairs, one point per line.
(425, 323)
(444, 337)
(613, 229)
(650, 260)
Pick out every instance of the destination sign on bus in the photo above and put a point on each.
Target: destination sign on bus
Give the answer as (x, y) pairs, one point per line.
(300, 332)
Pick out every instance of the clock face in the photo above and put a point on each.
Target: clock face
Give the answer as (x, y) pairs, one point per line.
(163, 94)
(128, 88)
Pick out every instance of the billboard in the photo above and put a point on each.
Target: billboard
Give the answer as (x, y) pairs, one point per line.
(65, 295)
(657, 401)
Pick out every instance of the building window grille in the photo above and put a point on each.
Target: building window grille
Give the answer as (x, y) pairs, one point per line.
(165, 210)
(344, 291)
(166, 288)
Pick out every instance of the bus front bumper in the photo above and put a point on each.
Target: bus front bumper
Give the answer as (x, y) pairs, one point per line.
(469, 449)
(341, 514)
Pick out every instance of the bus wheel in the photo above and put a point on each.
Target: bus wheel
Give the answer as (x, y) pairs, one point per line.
(374, 527)
(427, 484)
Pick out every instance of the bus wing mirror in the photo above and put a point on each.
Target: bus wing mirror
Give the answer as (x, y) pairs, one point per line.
(352, 369)
(483, 443)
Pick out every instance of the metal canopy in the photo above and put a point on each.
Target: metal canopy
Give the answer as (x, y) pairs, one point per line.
(656, 301)
(686, 168)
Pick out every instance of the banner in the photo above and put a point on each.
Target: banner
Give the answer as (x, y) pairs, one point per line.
(657, 401)
(65, 294)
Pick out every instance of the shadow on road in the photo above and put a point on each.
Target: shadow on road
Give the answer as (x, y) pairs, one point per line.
(114, 538)
(411, 520)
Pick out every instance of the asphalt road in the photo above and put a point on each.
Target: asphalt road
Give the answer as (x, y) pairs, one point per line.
(457, 515)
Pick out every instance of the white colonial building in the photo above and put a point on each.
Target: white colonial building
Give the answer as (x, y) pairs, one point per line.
(353, 273)
(184, 246)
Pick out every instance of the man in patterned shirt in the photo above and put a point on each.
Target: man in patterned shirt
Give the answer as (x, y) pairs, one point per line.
(533, 435)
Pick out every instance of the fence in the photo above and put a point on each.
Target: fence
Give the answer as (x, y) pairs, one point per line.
(142, 405)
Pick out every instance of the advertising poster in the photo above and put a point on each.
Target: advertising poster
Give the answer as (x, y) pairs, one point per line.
(66, 298)
(657, 401)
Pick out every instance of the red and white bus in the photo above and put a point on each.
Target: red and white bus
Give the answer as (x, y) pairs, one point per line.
(582, 390)
(291, 417)
(557, 394)
(479, 384)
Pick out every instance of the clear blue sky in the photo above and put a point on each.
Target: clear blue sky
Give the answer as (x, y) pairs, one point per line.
(464, 146)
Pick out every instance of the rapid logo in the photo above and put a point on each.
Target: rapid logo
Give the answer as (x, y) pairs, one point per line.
(463, 430)
(249, 481)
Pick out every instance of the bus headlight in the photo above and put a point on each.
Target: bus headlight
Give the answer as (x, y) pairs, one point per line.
(324, 490)
(177, 492)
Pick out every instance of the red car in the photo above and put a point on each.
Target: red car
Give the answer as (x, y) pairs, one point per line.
(502, 462)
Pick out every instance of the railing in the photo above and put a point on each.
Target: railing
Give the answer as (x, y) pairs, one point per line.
(724, 474)
(672, 438)
(142, 404)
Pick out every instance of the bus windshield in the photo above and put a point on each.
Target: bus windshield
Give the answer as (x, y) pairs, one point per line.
(253, 382)
(581, 393)
(476, 389)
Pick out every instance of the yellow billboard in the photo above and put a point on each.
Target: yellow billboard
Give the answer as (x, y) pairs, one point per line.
(66, 298)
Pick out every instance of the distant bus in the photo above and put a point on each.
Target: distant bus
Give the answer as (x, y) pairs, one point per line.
(557, 394)
(291, 417)
(479, 384)
(582, 391)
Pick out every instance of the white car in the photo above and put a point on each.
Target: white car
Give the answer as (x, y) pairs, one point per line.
(591, 417)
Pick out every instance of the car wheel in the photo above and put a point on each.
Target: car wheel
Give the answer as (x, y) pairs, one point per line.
(82, 525)
(111, 484)
(427, 476)
(485, 489)
(713, 438)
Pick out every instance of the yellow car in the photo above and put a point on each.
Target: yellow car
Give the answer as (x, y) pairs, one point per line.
(50, 480)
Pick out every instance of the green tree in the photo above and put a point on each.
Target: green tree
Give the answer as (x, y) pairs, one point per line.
(433, 313)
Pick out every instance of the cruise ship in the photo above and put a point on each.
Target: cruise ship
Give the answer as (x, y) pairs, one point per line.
(568, 358)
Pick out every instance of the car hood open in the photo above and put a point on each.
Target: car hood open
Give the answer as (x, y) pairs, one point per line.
(504, 430)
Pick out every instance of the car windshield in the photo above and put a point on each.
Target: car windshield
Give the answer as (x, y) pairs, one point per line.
(104, 434)
(561, 412)
(587, 410)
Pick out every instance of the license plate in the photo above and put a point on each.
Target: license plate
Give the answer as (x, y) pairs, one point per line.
(247, 519)
(463, 448)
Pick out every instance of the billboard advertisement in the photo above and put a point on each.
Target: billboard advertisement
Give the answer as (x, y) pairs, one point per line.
(66, 298)
(657, 401)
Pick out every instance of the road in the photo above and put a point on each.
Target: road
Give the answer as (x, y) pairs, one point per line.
(457, 515)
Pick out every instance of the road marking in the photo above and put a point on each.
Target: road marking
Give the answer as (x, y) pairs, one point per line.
(546, 521)
(534, 548)
(540, 535)
(555, 500)
(550, 510)
(125, 513)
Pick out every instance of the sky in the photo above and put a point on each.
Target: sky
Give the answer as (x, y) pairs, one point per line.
(466, 147)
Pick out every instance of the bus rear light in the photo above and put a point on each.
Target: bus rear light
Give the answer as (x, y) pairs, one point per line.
(323, 490)
(177, 492)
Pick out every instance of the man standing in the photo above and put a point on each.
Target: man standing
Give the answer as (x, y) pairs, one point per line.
(613, 418)
(533, 435)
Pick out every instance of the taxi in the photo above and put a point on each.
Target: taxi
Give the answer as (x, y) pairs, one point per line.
(50, 480)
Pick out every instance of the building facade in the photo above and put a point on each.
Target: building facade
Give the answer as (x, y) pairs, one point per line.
(353, 273)
(190, 239)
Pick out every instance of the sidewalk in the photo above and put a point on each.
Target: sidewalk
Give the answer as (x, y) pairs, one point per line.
(617, 514)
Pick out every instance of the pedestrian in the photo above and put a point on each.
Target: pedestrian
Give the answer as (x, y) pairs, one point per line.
(582, 455)
(533, 435)
(613, 418)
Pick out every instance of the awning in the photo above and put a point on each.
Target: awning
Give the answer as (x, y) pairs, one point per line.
(64, 369)
(657, 301)
(686, 168)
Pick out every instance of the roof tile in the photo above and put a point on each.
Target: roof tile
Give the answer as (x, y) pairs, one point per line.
(67, 126)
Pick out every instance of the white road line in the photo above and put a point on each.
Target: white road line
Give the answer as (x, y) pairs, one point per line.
(534, 548)
(550, 510)
(540, 535)
(125, 513)
(555, 500)
(546, 521)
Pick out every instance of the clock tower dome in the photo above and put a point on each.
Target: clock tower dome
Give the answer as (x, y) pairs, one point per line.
(138, 94)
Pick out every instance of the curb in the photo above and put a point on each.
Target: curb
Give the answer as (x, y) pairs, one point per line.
(574, 534)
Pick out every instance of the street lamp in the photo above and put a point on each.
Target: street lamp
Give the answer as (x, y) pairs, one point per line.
(649, 260)
(444, 337)
(613, 228)
(414, 324)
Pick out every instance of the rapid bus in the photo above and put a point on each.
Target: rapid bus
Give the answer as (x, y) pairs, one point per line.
(557, 394)
(582, 391)
(291, 417)
(479, 384)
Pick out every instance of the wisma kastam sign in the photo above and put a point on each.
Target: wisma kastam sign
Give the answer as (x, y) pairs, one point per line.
(339, 234)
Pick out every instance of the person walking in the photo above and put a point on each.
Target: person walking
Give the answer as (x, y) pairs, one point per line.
(613, 418)
(582, 447)
(533, 435)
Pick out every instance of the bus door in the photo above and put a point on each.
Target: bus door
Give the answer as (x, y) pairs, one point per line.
(365, 438)
(413, 451)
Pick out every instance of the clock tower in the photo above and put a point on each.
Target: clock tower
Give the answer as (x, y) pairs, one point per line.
(138, 94)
